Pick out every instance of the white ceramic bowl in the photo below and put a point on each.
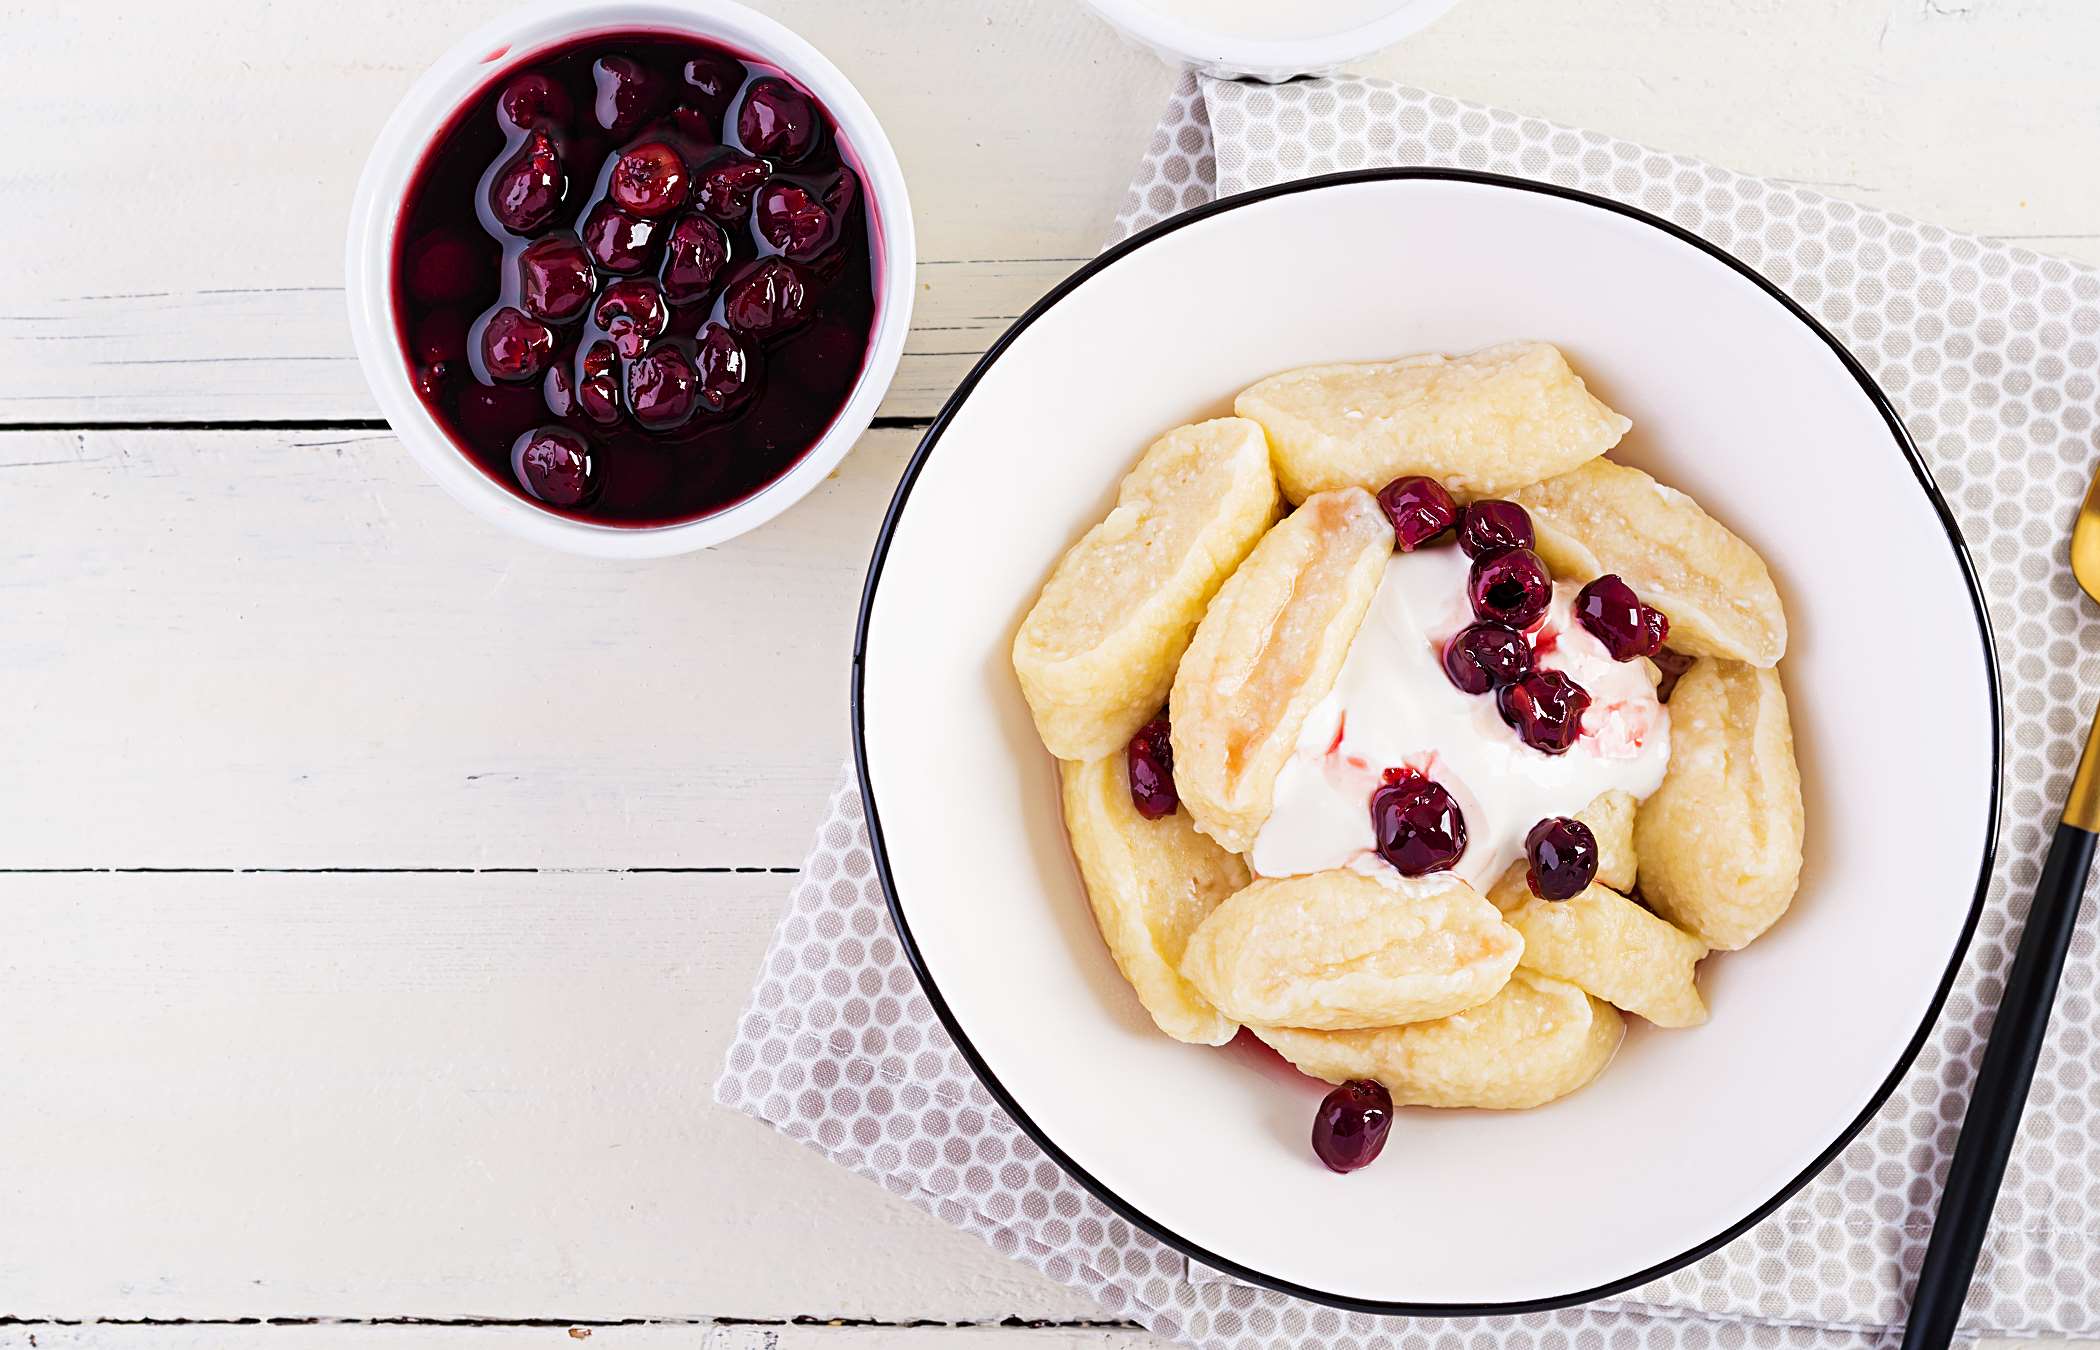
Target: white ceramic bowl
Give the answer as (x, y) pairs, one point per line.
(1290, 41)
(1737, 397)
(488, 53)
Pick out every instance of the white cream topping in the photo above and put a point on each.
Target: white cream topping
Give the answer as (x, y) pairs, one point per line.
(1393, 706)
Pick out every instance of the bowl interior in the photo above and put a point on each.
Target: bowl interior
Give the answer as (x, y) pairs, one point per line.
(471, 66)
(1735, 399)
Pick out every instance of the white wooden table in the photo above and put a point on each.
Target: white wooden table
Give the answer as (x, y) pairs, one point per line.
(351, 989)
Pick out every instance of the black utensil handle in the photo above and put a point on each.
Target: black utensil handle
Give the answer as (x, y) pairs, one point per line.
(2000, 1094)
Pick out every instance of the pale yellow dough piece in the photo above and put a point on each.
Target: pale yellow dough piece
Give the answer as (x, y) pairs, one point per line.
(1096, 655)
(1610, 947)
(1606, 517)
(1151, 882)
(1340, 949)
(1483, 425)
(1268, 649)
(1540, 1038)
(1720, 841)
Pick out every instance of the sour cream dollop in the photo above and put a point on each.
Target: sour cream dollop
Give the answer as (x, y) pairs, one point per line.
(1393, 706)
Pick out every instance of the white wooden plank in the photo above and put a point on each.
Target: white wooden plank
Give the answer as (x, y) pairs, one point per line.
(289, 649)
(424, 1096)
(213, 293)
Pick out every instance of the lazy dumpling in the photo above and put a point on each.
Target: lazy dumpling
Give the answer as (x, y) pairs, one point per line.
(1268, 649)
(1482, 425)
(1096, 654)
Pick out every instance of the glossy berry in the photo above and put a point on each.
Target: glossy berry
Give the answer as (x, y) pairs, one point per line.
(1491, 526)
(1418, 827)
(791, 220)
(619, 241)
(767, 300)
(629, 93)
(1512, 588)
(555, 465)
(1561, 858)
(555, 280)
(558, 387)
(515, 346)
(723, 187)
(727, 369)
(1545, 708)
(777, 120)
(533, 100)
(1151, 762)
(711, 81)
(663, 389)
(1485, 656)
(598, 388)
(1419, 508)
(649, 180)
(1615, 616)
(527, 189)
(694, 257)
(633, 313)
(1350, 1127)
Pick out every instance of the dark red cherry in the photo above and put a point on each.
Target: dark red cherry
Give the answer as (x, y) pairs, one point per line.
(1418, 827)
(1150, 757)
(1615, 616)
(777, 120)
(723, 187)
(1491, 526)
(663, 389)
(617, 240)
(441, 335)
(555, 465)
(694, 127)
(1512, 588)
(711, 81)
(527, 189)
(598, 391)
(1350, 1127)
(1546, 709)
(558, 387)
(555, 280)
(1419, 508)
(632, 313)
(515, 346)
(649, 180)
(1486, 656)
(791, 220)
(1562, 858)
(629, 93)
(445, 267)
(533, 100)
(1673, 664)
(694, 256)
(767, 300)
(727, 368)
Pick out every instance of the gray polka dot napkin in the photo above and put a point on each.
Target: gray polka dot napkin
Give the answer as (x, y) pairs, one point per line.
(1990, 354)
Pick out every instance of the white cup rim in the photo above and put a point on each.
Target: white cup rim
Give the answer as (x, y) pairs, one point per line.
(430, 103)
(1229, 55)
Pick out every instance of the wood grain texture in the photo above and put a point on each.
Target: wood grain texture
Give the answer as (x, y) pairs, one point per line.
(639, 1336)
(424, 1096)
(224, 302)
(290, 649)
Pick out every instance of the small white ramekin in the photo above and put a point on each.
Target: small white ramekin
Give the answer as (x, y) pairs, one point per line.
(375, 215)
(1230, 56)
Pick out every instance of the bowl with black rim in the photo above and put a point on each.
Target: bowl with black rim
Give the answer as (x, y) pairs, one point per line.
(1738, 397)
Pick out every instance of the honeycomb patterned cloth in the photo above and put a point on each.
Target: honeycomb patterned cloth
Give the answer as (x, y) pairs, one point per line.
(1990, 354)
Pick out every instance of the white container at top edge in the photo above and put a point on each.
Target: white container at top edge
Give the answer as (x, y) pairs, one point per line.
(503, 44)
(1269, 40)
